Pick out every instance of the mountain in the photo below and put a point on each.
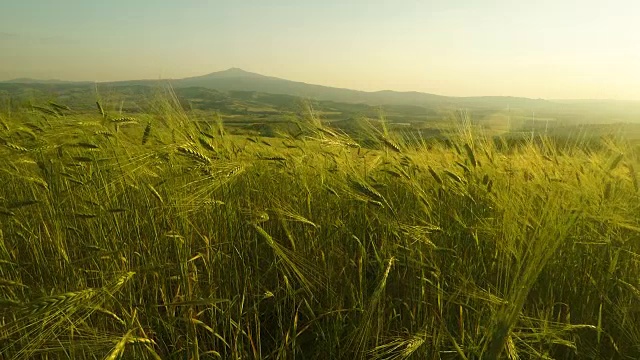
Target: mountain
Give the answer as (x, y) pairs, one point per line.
(235, 79)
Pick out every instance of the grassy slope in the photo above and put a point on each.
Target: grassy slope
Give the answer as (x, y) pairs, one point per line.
(174, 240)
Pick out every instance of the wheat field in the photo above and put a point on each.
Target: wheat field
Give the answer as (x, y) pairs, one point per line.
(153, 236)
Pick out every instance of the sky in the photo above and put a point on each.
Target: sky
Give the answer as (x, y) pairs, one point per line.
(558, 49)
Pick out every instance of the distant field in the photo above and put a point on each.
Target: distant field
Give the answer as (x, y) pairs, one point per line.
(496, 115)
(163, 232)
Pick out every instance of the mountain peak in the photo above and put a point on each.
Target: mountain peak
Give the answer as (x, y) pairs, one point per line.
(235, 70)
(231, 72)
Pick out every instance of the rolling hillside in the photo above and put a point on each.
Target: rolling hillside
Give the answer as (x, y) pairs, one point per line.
(236, 80)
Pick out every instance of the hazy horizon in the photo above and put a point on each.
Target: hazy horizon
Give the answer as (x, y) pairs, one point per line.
(550, 49)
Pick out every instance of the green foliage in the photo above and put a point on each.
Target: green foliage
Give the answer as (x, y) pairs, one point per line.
(165, 236)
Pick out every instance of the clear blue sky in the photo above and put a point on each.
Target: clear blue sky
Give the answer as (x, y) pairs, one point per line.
(547, 49)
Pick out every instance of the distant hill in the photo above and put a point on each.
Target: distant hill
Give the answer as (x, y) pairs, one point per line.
(38, 81)
(580, 111)
(236, 79)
